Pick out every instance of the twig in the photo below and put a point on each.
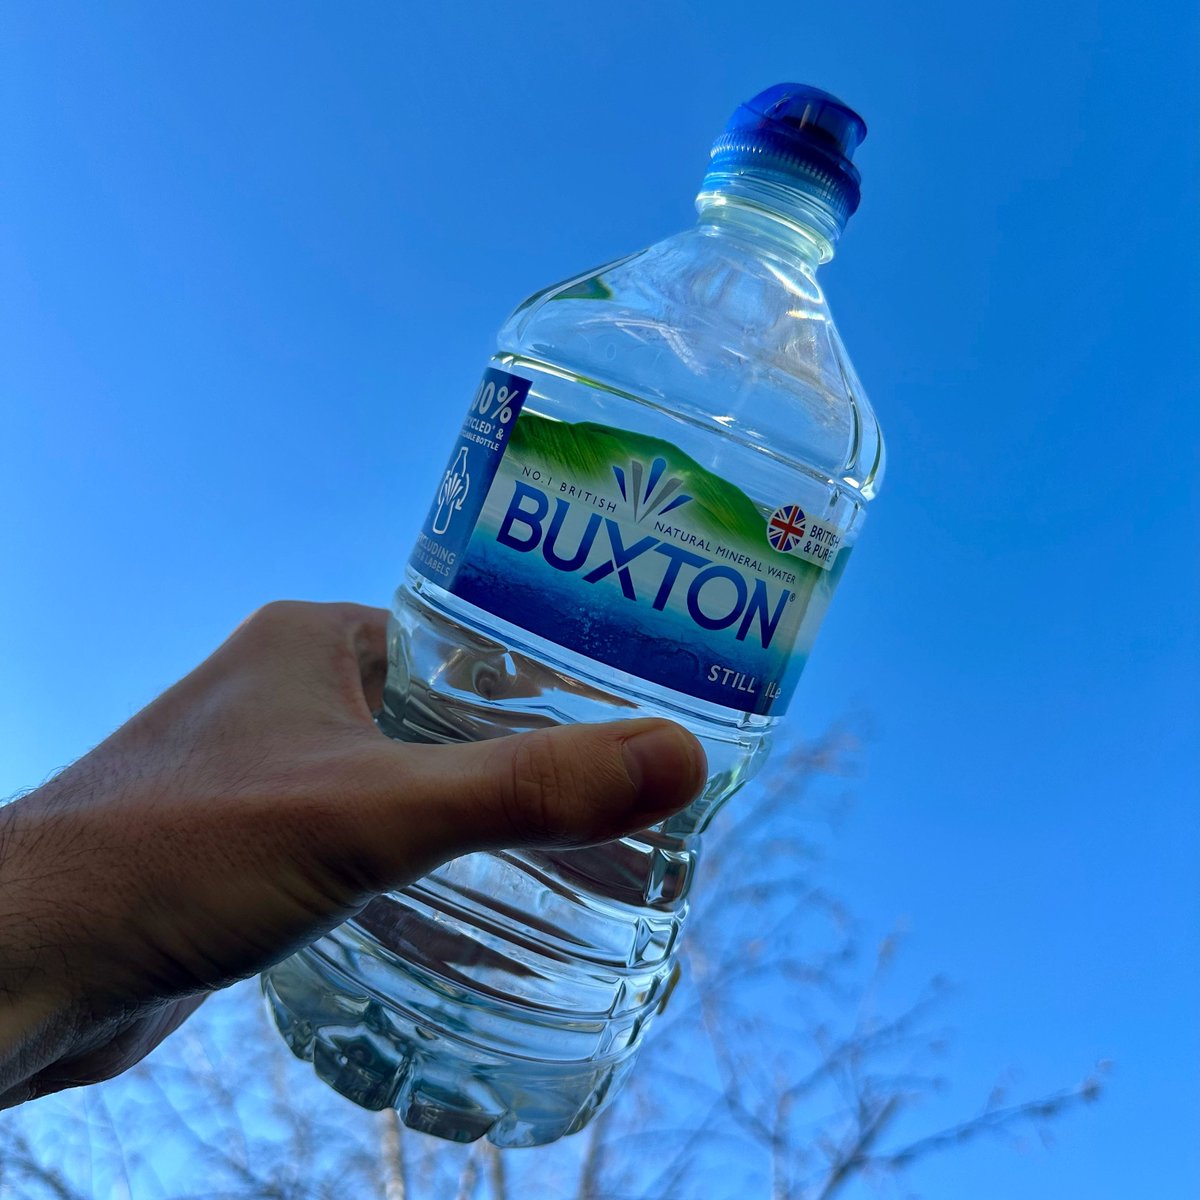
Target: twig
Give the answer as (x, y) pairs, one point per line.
(391, 1156)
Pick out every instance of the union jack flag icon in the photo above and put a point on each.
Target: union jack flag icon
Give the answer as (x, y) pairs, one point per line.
(786, 527)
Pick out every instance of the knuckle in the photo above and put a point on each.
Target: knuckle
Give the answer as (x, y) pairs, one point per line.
(279, 610)
(274, 615)
(340, 615)
(336, 618)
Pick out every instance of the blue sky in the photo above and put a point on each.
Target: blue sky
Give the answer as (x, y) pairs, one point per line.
(253, 258)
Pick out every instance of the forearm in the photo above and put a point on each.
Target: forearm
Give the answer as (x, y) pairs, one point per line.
(35, 1011)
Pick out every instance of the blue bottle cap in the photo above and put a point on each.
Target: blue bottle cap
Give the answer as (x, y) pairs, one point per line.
(799, 133)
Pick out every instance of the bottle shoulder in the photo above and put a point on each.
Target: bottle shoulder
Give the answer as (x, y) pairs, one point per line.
(719, 329)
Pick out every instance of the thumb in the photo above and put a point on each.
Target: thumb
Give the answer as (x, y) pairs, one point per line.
(569, 785)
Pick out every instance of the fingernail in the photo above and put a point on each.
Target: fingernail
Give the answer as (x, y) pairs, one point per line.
(667, 766)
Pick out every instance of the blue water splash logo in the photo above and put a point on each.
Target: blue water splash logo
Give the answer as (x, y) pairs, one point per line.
(658, 497)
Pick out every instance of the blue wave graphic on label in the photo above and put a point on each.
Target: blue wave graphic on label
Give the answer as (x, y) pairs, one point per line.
(622, 548)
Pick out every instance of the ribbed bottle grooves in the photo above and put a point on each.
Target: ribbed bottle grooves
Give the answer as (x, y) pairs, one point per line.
(386, 1055)
(432, 1003)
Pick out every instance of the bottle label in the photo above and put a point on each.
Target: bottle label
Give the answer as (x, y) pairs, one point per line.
(622, 548)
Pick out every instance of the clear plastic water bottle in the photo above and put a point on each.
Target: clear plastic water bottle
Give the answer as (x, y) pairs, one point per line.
(654, 494)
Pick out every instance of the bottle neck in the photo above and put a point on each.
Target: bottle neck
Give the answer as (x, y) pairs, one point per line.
(769, 212)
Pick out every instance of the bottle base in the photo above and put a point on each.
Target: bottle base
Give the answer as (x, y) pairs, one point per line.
(380, 1056)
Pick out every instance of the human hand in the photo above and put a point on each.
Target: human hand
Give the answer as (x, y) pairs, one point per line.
(254, 806)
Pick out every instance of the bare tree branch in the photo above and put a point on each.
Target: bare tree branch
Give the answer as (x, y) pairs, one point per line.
(497, 1173)
(469, 1179)
(778, 1053)
(391, 1156)
(20, 1158)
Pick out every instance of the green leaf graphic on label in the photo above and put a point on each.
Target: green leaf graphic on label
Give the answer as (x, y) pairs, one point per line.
(588, 451)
